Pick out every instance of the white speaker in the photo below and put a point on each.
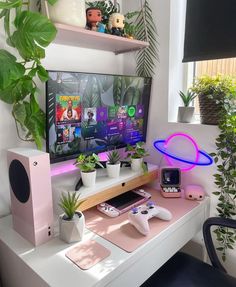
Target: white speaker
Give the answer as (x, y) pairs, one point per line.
(31, 194)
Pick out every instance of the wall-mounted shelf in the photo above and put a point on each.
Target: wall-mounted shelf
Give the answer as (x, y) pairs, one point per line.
(76, 36)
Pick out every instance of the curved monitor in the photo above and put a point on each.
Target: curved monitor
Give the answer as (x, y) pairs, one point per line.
(91, 113)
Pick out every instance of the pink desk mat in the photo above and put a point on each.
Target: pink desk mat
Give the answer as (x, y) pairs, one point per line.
(86, 254)
(120, 232)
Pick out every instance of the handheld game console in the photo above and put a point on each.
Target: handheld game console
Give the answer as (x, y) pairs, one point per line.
(123, 202)
(139, 216)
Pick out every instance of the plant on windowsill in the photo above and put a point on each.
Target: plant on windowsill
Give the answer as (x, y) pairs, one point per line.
(211, 91)
(185, 113)
(136, 154)
(113, 164)
(225, 178)
(87, 165)
(71, 222)
(28, 34)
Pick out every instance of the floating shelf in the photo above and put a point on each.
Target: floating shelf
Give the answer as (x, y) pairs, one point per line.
(76, 36)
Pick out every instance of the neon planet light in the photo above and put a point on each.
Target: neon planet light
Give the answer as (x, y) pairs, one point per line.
(201, 158)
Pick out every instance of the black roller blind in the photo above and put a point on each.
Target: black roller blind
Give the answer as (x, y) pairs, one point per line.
(210, 30)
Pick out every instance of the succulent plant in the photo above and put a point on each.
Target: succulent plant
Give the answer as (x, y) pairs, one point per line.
(187, 97)
(69, 203)
(113, 157)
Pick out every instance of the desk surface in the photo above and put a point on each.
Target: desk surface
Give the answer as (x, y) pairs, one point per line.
(23, 265)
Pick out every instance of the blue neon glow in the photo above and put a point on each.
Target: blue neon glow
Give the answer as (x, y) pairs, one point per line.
(159, 145)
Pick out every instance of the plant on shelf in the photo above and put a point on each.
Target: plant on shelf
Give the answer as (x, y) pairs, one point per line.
(211, 91)
(113, 163)
(136, 153)
(87, 165)
(139, 25)
(185, 113)
(27, 33)
(225, 178)
(72, 222)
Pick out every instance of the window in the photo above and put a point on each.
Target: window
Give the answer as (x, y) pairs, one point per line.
(213, 68)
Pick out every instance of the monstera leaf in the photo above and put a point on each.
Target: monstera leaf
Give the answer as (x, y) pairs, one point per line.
(34, 31)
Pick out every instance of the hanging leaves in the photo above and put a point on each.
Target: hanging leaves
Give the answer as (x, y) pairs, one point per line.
(32, 32)
(225, 178)
(146, 31)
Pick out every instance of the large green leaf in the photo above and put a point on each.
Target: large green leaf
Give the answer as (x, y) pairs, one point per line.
(10, 4)
(34, 31)
(17, 91)
(10, 70)
(35, 121)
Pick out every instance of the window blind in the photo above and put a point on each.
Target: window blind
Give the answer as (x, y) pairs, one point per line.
(210, 30)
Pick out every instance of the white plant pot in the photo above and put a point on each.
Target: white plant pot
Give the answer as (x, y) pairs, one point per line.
(136, 164)
(113, 170)
(185, 114)
(70, 12)
(89, 178)
(72, 230)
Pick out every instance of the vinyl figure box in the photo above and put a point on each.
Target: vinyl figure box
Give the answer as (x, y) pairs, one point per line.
(170, 182)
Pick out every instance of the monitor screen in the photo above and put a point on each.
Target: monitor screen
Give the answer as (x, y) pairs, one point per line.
(89, 113)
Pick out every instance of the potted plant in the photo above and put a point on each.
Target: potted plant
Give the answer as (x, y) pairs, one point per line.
(23, 29)
(225, 178)
(87, 165)
(71, 222)
(211, 91)
(113, 164)
(136, 153)
(185, 113)
(70, 12)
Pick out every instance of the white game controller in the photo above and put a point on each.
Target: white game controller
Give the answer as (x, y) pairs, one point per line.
(140, 215)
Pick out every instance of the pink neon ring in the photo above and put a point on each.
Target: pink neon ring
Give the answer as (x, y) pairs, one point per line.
(192, 141)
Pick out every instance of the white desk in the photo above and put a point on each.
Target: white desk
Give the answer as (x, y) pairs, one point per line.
(25, 266)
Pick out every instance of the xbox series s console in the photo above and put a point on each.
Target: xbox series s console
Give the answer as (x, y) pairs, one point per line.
(31, 194)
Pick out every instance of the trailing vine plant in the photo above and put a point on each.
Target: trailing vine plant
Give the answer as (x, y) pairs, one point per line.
(29, 33)
(225, 178)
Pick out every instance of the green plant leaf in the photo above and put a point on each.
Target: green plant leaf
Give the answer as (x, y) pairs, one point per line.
(42, 73)
(19, 113)
(17, 91)
(146, 31)
(34, 31)
(10, 4)
(10, 70)
(52, 2)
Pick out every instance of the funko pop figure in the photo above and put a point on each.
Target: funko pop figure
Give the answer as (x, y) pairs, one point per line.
(116, 24)
(94, 17)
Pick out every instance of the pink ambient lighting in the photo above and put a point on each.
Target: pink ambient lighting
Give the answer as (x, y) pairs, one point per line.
(193, 142)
